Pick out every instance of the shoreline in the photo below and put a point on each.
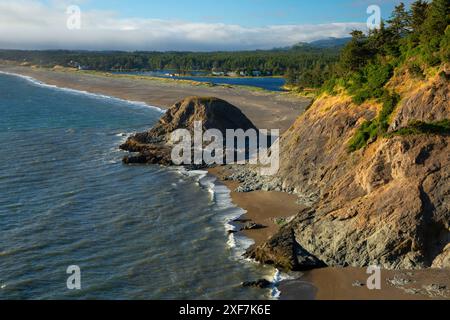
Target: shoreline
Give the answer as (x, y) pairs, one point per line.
(268, 110)
(327, 283)
(249, 237)
(97, 95)
(261, 207)
(241, 240)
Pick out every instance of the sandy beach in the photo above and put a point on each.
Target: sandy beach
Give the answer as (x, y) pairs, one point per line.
(267, 110)
(350, 284)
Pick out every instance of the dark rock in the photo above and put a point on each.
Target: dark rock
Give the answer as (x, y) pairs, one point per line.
(358, 284)
(284, 252)
(252, 226)
(262, 284)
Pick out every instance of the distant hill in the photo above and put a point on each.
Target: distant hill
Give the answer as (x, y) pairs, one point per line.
(323, 43)
(330, 42)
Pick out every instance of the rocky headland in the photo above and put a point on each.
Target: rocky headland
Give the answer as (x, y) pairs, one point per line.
(387, 203)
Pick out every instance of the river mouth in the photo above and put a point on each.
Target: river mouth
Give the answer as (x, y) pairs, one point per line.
(275, 84)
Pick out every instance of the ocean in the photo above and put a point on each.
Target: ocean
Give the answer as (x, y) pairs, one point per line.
(136, 232)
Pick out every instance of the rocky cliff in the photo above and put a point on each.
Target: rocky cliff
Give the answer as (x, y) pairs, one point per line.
(386, 204)
(154, 146)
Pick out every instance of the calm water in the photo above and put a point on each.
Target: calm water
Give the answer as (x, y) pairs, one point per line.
(140, 232)
(267, 83)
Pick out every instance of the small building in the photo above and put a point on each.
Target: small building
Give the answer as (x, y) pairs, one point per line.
(232, 74)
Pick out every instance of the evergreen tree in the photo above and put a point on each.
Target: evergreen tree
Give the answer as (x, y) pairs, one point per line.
(355, 54)
(400, 21)
(433, 29)
(418, 15)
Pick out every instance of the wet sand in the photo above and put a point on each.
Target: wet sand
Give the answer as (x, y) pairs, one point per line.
(263, 207)
(350, 284)
(267, 110)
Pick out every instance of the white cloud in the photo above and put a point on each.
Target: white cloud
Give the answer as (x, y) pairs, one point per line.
(30, 24)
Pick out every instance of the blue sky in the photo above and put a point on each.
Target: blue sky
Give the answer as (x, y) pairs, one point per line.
(180, 25)
(250, 13)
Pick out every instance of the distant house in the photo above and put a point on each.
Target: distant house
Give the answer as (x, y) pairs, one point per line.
(74, 64)
(243, 73)
(218, 73)
(256, 73)
(232, 74)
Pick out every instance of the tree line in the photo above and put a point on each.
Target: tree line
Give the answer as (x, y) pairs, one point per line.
(277, 62)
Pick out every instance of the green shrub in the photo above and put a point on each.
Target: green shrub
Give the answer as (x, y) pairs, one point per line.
(369, 83)
(367, 132)
(419, 127)
(389, 102)
(416, 70)
(371, 130)
(329, 86)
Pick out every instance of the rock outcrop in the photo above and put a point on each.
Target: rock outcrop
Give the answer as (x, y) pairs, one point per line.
(386, 204)
(284, 252)
(154, 146)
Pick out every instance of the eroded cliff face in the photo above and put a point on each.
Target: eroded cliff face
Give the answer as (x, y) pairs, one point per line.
(386, 204)
(424, 100)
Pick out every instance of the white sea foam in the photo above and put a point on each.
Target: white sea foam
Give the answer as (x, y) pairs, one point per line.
(86, 93)
(237, 243)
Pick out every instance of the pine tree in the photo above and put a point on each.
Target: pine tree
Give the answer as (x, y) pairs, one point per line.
(356, 53)
(433, 29)
(400, 21)
(418, 15)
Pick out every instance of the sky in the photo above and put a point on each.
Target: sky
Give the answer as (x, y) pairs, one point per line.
(180, 25)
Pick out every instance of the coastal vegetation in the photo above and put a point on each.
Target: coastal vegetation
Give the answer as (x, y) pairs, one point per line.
(416, 39)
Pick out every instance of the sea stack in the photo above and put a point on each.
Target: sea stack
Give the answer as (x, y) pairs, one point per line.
(154, 147)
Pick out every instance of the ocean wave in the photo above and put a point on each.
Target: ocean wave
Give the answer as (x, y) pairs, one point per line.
(237, 243)
(86, 93)
(276, 278)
